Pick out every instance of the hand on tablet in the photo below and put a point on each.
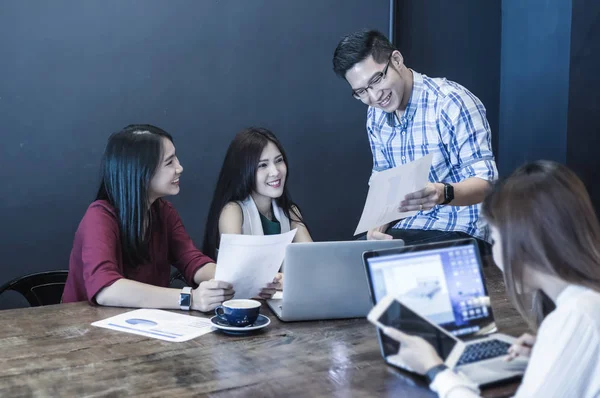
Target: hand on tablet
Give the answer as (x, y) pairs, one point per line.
(415, 352)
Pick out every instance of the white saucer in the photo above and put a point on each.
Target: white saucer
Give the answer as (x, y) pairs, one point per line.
(261, 322)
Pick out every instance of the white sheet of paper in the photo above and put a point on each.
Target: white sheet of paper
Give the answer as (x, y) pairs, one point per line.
(250, 262)
(159, 324)
(388, 188)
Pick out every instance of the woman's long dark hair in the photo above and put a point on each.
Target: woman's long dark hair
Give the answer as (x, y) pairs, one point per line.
(237, 180)
(129, 162)
(546, 221)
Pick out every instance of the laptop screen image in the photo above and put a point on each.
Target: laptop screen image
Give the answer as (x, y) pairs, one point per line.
(404, 319)
(442, 282)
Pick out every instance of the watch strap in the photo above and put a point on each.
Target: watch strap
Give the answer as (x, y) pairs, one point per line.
(431, 373)
(448, 193)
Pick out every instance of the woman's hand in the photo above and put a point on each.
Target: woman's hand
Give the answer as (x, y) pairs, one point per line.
(279, 279)
(374, 234)
(268, 291)
(378, 233)
(521, 347)
(414, 352)
(211, 294)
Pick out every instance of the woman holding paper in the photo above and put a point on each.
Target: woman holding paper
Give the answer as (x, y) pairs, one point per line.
(251, 196)
(547, 241)
(129, 236)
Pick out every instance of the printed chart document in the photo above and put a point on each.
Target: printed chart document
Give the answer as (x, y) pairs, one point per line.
(250, 262)
(159, 324)
(388, 188)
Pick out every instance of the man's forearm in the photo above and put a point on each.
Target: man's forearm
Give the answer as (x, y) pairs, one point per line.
(469, 192)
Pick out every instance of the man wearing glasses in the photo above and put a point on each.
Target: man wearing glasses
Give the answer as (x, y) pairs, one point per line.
(409, 116)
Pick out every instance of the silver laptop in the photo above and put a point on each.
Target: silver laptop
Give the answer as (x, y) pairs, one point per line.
(444, 283)
(326, 280)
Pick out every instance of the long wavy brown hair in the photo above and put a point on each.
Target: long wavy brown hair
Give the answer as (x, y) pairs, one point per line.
(546, 220)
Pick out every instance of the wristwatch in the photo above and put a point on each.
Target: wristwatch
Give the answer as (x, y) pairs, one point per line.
(185, 298)
(431, 373)
(448, 193)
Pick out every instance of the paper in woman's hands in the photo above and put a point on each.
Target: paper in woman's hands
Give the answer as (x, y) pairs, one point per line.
(250, 262)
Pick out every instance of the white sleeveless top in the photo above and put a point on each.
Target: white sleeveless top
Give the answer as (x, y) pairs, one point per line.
(251, 224)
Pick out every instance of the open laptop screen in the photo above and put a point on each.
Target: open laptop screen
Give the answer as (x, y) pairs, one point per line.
(442, 281)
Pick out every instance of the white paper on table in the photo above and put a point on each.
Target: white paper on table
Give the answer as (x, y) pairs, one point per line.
(250, 262)
(388, 188)
(163, 325)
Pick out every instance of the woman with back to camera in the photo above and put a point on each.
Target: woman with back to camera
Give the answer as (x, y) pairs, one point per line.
(547, 242)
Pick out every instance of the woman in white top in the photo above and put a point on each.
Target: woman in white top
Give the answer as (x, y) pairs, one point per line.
(547, 241)
(251, 196)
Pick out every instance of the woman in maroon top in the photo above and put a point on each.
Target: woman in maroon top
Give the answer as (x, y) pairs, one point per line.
(129, 236)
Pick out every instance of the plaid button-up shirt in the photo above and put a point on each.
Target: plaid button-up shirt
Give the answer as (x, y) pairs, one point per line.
(446, 119)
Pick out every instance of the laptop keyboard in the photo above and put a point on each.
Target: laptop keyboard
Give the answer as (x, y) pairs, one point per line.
(484, 350)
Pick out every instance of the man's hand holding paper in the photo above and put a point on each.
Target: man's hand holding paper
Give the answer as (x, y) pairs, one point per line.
(386, 200)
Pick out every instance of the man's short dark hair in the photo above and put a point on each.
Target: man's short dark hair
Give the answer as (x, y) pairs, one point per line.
(357, 47)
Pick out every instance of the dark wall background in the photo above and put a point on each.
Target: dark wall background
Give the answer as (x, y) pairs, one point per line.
(459, 40)
(583, 140)
(73, 72)
(534, 93)
(532, 63)
(550, 89)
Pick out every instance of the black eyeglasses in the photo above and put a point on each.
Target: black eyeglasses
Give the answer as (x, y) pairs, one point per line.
(361, 93)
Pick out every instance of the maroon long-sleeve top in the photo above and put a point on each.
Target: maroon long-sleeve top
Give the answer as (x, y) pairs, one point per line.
(97, 261)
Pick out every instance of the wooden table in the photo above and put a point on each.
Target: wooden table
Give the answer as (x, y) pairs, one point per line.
(53, 351)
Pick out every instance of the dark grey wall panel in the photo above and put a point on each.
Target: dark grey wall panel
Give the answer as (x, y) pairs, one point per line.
(583, 141)
(459, 40)
(534, 91)
(72, 72)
